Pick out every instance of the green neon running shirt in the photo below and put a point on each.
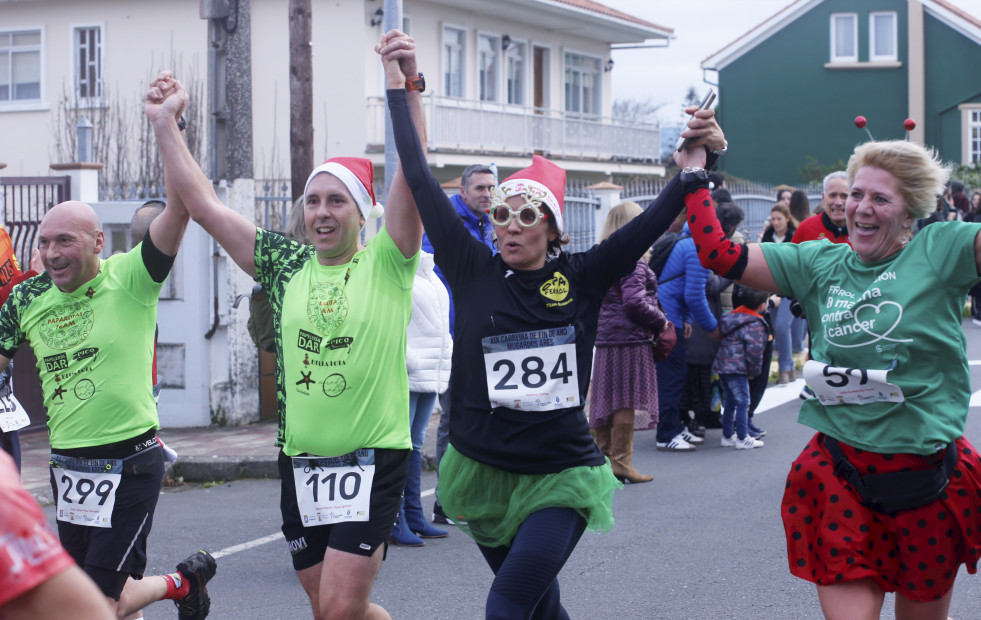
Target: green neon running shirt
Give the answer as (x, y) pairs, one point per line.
(341, 382)
(94, 348)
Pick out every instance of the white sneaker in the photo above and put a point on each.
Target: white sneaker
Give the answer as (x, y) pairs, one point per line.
(694, 440)
(678, 444)
(730, 441)
(748, 443)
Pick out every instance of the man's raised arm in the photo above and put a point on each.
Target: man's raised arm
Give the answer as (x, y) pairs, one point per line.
(191, 189)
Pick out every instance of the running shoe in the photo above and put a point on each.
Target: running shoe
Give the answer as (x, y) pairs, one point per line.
(755, 431)
(807, 393)
(677, 444)
(691, 438)
(439, 516)
(198, 569)
(748, 443)
(730, 441)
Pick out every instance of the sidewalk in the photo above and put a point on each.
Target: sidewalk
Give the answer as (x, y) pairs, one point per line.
(203, 455)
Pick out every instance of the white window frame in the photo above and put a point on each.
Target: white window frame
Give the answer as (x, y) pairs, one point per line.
(894, 56)
(598, 103)
(17, 105)
(526, 69)
(498, 77)
(99, 99)
(446, 88)
(834, 38)
(971, 133)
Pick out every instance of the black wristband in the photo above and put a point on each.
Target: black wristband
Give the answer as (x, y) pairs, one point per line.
(181, 124)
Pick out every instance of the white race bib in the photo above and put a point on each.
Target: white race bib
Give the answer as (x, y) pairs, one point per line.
(86, 489)
(533, 370)
(334, 489)
(12, 415)
(852, 386)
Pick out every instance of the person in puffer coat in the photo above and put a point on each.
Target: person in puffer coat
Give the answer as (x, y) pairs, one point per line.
(624, 373)
(682, 293)
(740, 358)
(428, 350)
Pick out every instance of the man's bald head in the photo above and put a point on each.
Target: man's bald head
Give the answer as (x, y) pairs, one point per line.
(70, 240)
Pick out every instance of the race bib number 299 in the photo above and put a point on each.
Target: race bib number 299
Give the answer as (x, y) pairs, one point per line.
(86, 489)
(533, 370)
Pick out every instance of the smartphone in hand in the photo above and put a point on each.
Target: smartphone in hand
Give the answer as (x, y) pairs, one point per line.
(704, 105)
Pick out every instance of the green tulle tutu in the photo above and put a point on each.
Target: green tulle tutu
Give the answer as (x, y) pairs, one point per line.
(490, 504)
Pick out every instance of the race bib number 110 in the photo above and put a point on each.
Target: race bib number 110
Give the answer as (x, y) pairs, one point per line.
(334, 489)
(533, 370)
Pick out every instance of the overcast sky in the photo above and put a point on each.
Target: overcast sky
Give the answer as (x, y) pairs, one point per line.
(701, 28)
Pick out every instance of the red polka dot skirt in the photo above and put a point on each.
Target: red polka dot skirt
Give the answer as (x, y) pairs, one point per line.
(832, 537)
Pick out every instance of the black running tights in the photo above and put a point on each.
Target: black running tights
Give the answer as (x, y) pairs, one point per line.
(525, 584)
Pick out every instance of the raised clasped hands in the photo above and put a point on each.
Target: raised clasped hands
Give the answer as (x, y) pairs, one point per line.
(398, 52)
(703, 131)
(165, 98)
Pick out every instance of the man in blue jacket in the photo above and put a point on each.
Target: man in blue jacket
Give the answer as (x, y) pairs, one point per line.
(476, 185)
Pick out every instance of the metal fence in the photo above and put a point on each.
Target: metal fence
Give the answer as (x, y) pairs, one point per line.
(24, 200)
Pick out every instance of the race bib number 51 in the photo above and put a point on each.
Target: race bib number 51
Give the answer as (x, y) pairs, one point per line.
(334, 489)
(86, 489)
(533, 370)
(854, 386)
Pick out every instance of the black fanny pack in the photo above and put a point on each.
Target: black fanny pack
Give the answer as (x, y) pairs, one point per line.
(902, 490)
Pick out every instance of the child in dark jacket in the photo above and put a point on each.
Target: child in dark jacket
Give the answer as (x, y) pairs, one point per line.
(740, 358)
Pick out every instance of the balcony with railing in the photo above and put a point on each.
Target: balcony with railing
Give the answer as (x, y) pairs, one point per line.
(486, 128)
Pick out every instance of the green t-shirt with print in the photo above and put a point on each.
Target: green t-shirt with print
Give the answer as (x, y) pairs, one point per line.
(901, 314)
(94, 348)
(341, 381)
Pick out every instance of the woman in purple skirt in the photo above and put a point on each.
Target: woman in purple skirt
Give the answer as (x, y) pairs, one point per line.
(624, 374)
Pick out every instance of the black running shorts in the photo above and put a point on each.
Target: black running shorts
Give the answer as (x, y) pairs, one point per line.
(110, 555)
(308, 545)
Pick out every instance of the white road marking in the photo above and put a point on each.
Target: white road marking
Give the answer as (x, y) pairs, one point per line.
(247, 545)
(777, 395)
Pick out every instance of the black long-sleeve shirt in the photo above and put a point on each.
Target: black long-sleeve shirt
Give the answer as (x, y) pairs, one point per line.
(510, 326)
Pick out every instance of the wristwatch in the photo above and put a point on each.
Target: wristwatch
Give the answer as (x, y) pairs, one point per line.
(693, 178)
(416, 83)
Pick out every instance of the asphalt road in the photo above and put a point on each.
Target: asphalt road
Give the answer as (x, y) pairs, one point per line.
(704, 540)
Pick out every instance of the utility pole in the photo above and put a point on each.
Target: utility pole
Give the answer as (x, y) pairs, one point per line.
(301, 95)
(393, 19)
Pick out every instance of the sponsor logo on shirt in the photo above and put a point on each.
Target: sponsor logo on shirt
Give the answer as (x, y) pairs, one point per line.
(556, 288)
(334, 385)
(67, 324)
(81, 354)
(54, 363)
(309, 342)
(327, 306)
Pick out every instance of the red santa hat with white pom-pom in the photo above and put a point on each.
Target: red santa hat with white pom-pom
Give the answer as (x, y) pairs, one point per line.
(358, 176)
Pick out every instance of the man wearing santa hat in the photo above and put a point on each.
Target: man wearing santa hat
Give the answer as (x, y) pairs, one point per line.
(341, 311)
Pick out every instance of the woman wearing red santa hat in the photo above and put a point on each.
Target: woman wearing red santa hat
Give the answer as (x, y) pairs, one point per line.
(522, 475)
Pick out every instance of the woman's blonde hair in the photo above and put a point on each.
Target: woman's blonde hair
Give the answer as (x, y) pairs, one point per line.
(920, 173)
(618, 216)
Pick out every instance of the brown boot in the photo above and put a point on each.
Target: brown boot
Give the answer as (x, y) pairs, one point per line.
(622, 453)
(602, 436)
(786, 376)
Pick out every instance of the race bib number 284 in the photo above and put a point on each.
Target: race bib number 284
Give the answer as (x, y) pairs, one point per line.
(533, 370)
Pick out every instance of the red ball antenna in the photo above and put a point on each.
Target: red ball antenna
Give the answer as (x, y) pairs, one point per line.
(910, 125)
(860, 122)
